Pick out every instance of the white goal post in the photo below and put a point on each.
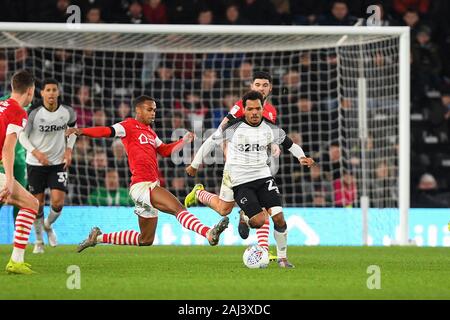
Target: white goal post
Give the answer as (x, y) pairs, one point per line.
(246, 39)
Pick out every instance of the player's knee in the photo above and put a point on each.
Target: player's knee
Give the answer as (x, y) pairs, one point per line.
(280, 226)
(33, 203)
(256, 224)
(225, 210)
(257, 221)
(57, 207)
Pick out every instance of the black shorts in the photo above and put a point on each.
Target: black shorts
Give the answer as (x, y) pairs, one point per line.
(255, 195)
(42, 177)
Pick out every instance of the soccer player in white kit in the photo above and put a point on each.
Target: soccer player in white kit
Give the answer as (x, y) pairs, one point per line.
(224, 202)
(247, 141)
(49, 156)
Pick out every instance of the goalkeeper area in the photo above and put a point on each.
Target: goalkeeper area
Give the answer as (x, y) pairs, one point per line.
(205, 273)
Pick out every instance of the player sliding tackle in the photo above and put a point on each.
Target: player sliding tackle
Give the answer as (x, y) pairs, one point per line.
(142, 146)
(254, 188)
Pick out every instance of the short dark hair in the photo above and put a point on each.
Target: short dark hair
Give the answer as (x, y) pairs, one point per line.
(262, 75)
(142, 99)
(252, 95)
(49, 81)
(21, 81)
(339, 1)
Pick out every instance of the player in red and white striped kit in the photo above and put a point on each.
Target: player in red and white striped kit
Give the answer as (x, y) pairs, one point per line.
(13, 120)
(142, 146)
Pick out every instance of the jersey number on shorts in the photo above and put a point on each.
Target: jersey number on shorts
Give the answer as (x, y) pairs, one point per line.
(62, 177)
(271, 186)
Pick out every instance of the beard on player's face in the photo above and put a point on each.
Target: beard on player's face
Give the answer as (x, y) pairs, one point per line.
(264, 90)
(254, 118)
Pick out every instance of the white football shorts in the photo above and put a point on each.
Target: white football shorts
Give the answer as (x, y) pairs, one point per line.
(140, 193)
(226, 191)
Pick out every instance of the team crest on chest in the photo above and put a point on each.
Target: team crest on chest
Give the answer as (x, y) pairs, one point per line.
(146, 139)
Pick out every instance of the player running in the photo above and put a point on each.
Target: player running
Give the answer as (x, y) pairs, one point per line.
(142, 146)
(48, 157)
(13, 120)
(248, 140)
(224, 203)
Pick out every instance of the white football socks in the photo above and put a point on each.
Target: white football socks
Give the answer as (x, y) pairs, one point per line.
(38, 227)
(53, 215)
(18, 255)
(281, 239)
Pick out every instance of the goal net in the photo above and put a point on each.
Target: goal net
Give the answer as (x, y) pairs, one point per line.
(337, 92)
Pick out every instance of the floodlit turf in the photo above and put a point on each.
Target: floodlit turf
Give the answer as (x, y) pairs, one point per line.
(179, 273)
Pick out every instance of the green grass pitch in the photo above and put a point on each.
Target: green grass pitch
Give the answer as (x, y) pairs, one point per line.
(196, 272)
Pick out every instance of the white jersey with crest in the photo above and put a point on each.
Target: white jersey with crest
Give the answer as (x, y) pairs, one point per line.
(248, 149)
(46, 131)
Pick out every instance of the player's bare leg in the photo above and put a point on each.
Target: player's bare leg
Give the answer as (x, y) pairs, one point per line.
(165, 201)
(148, 230)
(257, 221)
(39, 225)
(29, 206)
(56, 205)
(212, 200)
(262, 233)
(280, 234)
(222, 207)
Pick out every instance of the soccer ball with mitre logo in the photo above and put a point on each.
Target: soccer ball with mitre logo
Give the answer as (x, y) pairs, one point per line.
(256, 257)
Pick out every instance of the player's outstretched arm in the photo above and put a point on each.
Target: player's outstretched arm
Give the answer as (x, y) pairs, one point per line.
(207, 146)
(294, 149)
(166, 150)
(297, 152)
(93, 132)
(204, 149)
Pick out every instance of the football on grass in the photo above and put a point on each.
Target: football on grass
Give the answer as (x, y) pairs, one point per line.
(256, 257)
